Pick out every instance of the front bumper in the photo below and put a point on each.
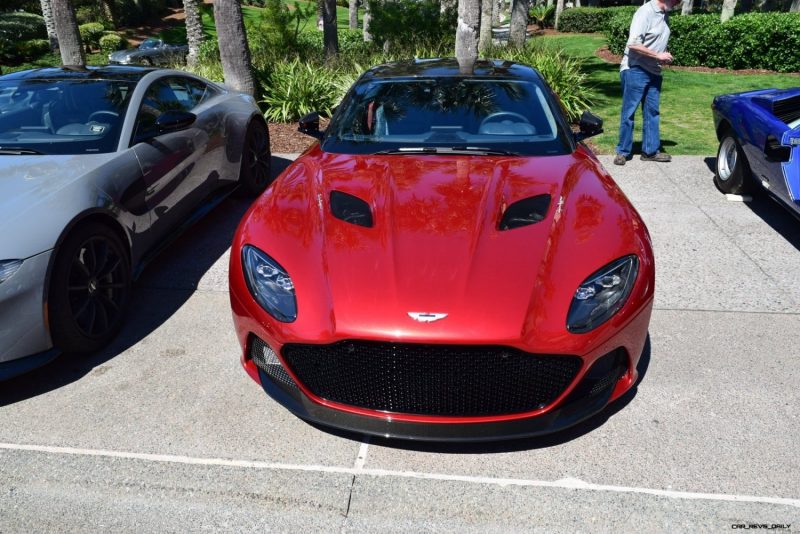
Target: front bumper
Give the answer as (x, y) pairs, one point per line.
(571, 412)
(23, 325)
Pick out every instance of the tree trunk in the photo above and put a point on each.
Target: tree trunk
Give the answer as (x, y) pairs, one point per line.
(320, 14)
(69, 39)
(549, 3)
(194, 30)
(559, 9)
(366, 20)
(497, 12)
(446, 5)
(518, 28)
(107, 9)
(329, 27)
(728, 6)
(469, 16)
(353, 6)
(233, 48)
(47, 13)
(487, 7)
(795, 7)
(686, 7)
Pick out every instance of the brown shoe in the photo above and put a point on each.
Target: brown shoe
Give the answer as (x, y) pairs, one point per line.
(619, 159)
(660, 157)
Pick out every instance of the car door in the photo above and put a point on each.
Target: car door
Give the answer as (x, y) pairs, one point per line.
(172, 162)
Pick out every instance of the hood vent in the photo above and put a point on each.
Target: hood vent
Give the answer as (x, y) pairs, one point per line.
(525, 212)
(351, 209)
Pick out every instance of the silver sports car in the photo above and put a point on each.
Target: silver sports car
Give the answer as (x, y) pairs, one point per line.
(150, 52)
(99, 168)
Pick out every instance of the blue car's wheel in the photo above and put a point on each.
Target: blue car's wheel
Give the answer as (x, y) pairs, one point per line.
(733, 172)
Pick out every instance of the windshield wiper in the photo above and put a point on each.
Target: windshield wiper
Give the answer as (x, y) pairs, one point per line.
(476, 150)
(18, 151)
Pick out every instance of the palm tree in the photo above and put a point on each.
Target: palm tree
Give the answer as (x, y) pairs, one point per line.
(487, 9)
(795, 7)
(686, 7)
(728, 6)
(194, 30)
(518, 28)
(233, 48)
(366, 20)
(330, 31)
(69, 38)
(469, 16)
(107, 8)
(353, 12)
(47, 13)
(559, 9)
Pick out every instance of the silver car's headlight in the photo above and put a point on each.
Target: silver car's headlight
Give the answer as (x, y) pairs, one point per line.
(8, 268)
(602, 295)
(269, 284)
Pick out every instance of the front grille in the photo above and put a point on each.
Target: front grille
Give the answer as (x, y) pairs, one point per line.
(266, 360)
(441, 380)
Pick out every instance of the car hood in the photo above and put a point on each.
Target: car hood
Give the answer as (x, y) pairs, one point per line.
(125, 54)
(32, 195)
(436, 247)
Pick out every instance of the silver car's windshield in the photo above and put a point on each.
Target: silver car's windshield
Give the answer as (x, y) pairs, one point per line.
(148, 44)
(62, 116)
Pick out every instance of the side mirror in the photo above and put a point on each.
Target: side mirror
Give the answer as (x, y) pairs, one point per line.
(174, 120)
(309, 125)
(589, 125)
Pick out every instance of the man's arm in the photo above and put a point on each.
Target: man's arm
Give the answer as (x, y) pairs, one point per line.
(664, 57)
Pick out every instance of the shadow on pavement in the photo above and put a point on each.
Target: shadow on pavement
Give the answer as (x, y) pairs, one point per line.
(178, 269)
(542, 442)
(770, 211)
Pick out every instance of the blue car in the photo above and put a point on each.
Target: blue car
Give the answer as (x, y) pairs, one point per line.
(759, 143)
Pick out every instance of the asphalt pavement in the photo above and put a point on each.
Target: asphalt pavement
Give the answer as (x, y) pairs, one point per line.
(164, 432)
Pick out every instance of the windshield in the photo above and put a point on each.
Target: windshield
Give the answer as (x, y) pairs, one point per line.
(149, 43)
(427, 114)
(62, 116)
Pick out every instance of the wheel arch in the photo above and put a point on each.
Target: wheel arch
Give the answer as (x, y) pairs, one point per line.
(90, 216)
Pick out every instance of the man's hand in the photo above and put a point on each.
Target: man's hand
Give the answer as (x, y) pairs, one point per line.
(664, 57)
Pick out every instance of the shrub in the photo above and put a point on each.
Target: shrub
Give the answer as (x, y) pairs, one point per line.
(91, 32)
(33, 48)
(591, 19)
(21, 26)
(563, 73)
(111, 43)
(542, 15)
(410, 24)
(297, 88)
(748, 41)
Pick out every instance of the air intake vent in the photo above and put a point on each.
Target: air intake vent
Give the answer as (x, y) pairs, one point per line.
(351, 209)
(525, 212)
(787, 110)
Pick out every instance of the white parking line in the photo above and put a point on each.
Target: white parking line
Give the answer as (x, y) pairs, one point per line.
(566, 483)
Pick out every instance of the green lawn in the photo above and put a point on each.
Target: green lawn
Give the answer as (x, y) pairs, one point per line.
(252, 14)
(686, 123)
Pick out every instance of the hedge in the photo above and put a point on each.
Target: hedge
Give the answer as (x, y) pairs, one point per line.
(91, 32)
(749, 41)
(17, 27)
(111, 42)
(590, 19)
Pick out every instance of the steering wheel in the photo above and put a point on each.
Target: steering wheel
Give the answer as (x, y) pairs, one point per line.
(102, 112)
(510, 114)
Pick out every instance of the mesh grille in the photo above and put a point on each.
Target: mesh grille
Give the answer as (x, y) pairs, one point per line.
(266, 360)
(443, 380)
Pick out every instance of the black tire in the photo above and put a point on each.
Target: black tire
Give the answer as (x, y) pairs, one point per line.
(147, 62)
(732, 172)
(256, 170)
(89, 290)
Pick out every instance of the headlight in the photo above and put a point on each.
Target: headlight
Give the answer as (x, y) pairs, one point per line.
(8, 268)
(269, 284)
(602, 295)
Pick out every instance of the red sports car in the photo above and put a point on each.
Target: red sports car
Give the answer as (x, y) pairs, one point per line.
(449, 262)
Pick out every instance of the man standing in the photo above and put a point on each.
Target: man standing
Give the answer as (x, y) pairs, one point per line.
(640, 73)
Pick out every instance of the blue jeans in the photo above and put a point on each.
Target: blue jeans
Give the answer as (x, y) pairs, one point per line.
(639, 86)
